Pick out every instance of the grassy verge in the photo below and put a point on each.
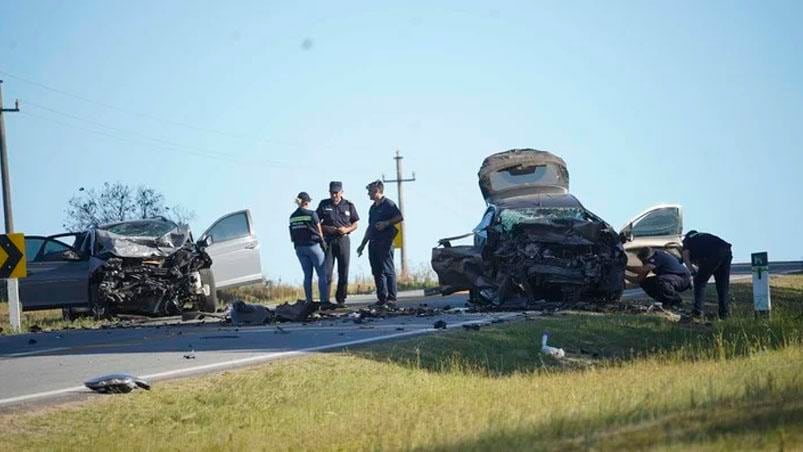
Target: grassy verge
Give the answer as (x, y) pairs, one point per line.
(630, 382)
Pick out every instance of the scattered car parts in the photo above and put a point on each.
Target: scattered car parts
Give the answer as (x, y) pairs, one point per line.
(116, 384)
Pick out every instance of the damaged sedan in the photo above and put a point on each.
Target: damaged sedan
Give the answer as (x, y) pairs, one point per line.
(150, 266)
(536, 241)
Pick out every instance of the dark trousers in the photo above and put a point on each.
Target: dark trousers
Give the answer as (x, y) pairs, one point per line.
(666, 288)
(380, 255)
(720, 268)
(338, 249)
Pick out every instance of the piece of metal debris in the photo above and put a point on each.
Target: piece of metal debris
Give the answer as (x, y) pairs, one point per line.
(116, 384)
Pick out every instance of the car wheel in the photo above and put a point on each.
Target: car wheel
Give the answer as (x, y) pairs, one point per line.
(209, 303)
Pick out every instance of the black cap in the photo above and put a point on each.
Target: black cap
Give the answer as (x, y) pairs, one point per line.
(304, 196)
(335, 186)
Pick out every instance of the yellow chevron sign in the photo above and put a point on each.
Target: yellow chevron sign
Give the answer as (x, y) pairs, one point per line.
(12, 256)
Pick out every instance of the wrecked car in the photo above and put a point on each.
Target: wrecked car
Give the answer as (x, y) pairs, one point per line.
(536, 241)
(150, 266)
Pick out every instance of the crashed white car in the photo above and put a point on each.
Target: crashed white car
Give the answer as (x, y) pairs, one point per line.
(150, 266)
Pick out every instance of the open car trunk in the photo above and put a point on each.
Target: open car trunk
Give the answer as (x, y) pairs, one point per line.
(521, 172)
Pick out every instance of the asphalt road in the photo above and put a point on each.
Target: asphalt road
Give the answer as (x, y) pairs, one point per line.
(41, 368)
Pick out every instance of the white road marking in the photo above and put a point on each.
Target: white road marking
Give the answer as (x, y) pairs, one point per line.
(265, 357)
(35, 352)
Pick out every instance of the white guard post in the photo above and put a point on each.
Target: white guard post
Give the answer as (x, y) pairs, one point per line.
(761, 283)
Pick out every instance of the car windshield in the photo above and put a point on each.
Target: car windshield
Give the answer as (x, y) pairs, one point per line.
(511, 217)
(520, 175)
(146, 228)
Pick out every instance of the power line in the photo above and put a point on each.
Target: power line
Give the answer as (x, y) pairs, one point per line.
(128, 140)
(146, 137)
(161, 120)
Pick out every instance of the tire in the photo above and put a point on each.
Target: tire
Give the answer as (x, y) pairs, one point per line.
(208, 303)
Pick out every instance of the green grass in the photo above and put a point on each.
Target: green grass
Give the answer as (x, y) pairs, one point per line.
(630, 382)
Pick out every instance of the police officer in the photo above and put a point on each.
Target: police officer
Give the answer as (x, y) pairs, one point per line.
(307, 237)
(338, 219)
(382, 215)
(669, 280)
(706, 255)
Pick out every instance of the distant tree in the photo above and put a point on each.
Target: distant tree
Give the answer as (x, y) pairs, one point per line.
(119, 202)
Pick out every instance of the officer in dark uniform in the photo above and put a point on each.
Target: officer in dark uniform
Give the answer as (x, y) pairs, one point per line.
(669, 280)
(382, 216)
(706, 255)
(338, 219)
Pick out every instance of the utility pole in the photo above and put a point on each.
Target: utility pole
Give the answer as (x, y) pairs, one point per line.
(14, 309)
(399, 181)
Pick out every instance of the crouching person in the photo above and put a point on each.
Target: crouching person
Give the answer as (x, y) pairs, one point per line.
(669, 280)
(305, 232)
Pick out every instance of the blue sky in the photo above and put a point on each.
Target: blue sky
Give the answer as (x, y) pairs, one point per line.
(230, 105)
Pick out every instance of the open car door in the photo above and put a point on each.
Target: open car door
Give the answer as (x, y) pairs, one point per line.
(660, 226)
(58, 274)
(234, 250)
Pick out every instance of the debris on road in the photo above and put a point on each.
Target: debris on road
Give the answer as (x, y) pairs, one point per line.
(549, 350)
(242, 313)
(472, 327)
(296, 312)
(439, 325)
(190, 355)
(116, 384)
(31, 341)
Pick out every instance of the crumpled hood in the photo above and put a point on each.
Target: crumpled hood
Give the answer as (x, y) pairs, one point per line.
(141, 247)
(505, 174)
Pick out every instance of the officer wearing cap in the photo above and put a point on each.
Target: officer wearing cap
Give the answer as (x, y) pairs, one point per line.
(379, 235)
(307, 237)
(705, 255)
(338, 219)
(669, 279)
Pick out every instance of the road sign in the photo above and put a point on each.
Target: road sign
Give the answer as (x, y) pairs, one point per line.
(397, 241)
(12, 256)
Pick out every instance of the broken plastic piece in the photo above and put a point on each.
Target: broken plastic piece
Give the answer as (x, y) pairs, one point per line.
(116, 384)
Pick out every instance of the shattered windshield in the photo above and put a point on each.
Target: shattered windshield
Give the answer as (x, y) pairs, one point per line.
(511, 217)
(521, 175)
(142, 228)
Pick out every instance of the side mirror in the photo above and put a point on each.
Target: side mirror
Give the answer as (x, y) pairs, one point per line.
(71, 255)
(204, 242)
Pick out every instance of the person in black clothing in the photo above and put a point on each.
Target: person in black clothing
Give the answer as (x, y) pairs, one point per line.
(307, 237)
(669, 280)
(380, 233)
(338, 219)
(706, 255)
